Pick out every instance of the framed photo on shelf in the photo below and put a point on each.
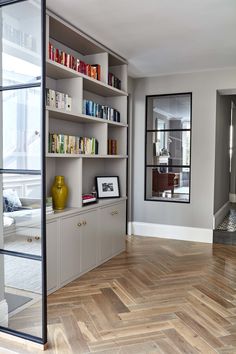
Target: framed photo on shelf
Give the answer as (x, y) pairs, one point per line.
(108, 187)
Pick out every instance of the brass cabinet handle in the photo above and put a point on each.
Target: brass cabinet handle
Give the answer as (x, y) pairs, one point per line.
(84, 222)
(29, 239)
(79, 224)
(115, 212)
(37, 238)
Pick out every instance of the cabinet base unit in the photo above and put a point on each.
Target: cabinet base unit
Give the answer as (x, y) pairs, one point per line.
(79, 240)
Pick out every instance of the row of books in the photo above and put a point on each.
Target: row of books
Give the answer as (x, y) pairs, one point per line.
(112, 147)
(67, 144)
(58, 100)
(114, 81)
(94, 109)
(76, 64)
(19, 37)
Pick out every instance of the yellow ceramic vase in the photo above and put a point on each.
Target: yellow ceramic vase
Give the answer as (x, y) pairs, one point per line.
(59, 192)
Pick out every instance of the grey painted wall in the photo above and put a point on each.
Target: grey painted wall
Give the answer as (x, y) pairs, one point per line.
(233, 164)
(199, 213)
(130, 147)
(222, 160)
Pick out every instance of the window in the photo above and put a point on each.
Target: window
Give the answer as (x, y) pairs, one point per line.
(168, 147)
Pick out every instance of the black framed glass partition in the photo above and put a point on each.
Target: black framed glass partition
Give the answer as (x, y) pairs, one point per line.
(22, 180)
(168, 147)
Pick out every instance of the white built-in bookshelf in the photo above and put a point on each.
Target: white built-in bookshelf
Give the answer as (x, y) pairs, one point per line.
(80, 170)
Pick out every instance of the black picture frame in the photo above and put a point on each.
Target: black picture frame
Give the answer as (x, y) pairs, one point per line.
(107, 187)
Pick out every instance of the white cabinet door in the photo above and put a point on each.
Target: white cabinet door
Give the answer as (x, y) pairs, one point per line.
(118, 215)
(105, 234)
(52, 237)
(112, 230)
(70, 248)
(89, 240)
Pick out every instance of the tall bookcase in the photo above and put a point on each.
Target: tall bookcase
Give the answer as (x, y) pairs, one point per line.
(80, 170)
(81, 237)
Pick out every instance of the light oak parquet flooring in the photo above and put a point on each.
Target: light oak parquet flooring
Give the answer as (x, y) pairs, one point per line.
(160, 296)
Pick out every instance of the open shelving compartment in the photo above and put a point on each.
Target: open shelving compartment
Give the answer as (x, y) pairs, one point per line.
(80, 170)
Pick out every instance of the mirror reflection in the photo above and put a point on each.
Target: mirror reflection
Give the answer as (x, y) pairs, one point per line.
(168, 147)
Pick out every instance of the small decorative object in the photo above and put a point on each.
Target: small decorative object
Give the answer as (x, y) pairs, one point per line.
(94, 192)
(49, 205)
(108, 187)
(59, 192)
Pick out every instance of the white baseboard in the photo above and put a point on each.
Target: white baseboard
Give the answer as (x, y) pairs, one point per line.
(220, 214)
(232, 198)
(171, 232)
(3, 313)
(129, 228)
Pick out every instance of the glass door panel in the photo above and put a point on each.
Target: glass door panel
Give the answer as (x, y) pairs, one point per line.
(21, 129)
(22, 294)
(22, 219)
(21, 215)
(21, 43)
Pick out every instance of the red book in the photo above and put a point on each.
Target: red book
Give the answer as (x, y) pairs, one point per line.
(63, 58)
(113, 147)
(97, 71)
(57, 55)
(88, 69)
(50, 51)
(68, 60)
(93, 72)
(109, 147)
(77, 64)
(82, 67)
(72, 62)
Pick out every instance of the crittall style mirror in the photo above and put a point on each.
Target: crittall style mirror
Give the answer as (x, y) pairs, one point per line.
(22, 222)
(168, 147)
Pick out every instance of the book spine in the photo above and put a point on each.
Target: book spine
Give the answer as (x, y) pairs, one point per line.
(47, 97)
(84, 106)
(50, 143)
(52, 96)
(68, 103)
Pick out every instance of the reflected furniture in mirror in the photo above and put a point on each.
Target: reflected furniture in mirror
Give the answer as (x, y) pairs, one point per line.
(162, 182)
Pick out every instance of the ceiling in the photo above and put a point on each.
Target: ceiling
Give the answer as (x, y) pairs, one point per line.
(159, 37)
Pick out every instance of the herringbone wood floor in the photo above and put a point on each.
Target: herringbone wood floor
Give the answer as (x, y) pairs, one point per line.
(161, 296)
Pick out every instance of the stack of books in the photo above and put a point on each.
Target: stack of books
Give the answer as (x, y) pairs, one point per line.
(112, 147)
(88, 198)
(94, 109)
(58, 100)
(67, 144)
(68, 60)
(114, 81)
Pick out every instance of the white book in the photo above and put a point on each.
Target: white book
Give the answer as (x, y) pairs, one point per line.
(68, 103)
(52, 95)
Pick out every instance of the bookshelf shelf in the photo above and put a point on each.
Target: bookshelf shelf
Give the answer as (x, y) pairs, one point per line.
(58, 71)
(80, 118)
(86, 156)
(71, 211)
